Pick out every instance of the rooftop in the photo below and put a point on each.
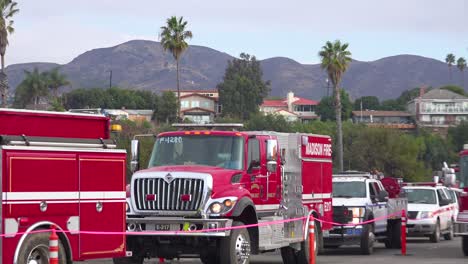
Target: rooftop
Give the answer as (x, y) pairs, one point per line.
(442, 94)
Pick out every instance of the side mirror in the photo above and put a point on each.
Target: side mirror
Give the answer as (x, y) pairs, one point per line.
(271, 166)
(272, 149)
(383, 196)
(135, 155)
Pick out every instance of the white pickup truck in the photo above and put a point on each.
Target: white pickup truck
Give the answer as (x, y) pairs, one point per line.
(360, 197)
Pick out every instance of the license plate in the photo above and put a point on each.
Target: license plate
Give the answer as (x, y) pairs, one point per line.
(353, 231)
(166, 227)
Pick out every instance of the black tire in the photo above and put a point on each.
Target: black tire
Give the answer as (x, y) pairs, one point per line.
(288, 255)
(367, 240)
(319, 240)
(129, 260)
(435, 237)
(303, 255)
(36, 247)
(449, 235)
(209, 259)
(236, 248)
(465, 245)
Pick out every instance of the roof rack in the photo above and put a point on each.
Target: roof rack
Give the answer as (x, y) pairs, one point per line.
(211, 126)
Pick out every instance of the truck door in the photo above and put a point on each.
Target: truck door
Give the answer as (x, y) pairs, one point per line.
(102, 205)
(257, 174)
(269, 178)
(379, 208)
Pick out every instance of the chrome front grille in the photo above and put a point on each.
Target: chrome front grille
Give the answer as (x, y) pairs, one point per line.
(155, 194)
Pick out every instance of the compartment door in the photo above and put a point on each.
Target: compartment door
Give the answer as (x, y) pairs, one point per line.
(102, 205)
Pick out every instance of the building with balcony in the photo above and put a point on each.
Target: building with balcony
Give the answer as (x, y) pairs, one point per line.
(386, 119)
(199, 106)
(439, 108)
(292, 108)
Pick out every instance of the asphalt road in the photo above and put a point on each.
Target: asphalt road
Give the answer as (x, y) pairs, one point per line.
(420, 251)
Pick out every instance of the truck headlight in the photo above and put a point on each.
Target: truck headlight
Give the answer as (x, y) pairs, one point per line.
(221, 206)
(424, 214)
(358, 212)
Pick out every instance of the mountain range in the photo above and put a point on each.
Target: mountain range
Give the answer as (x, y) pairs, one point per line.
(142, 64)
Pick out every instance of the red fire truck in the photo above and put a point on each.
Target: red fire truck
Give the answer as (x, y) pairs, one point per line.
(59, 169)
(461, 225)
(201, 183)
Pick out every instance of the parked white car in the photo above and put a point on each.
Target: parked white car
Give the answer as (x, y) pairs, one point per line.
(430, 212)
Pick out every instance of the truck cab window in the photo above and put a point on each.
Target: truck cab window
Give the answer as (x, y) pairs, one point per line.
(253, 151)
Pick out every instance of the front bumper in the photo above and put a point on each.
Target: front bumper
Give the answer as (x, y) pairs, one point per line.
(421, 227)
(343, 235)
(461, 228)
(177, 226)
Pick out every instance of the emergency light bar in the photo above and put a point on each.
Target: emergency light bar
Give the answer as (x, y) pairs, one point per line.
(355, 174)
(209, 126)
(429, 184)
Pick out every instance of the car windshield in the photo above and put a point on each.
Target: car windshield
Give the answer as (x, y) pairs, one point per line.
(421, 196)
(464, 172)
(353, 189)
(220, 151)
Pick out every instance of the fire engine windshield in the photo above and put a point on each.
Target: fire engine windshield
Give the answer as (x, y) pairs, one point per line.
(352, 189)
(219, 151)
(464, 172)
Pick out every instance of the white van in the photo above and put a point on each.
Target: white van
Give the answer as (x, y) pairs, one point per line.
(430, 212)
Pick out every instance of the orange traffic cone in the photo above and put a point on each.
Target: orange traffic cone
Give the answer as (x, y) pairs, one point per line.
(53, 247)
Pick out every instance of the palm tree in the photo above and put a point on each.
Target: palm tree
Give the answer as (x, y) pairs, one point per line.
(173, 37)
(461, 65)
(32, 88)
(56, 80)
(450, 60)
(7, 11)
(335, 61)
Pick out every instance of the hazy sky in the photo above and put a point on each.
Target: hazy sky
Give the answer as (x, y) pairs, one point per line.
(60, 30)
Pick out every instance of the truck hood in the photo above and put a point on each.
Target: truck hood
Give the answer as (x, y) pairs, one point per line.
(422, 207)
(221, 176)
(350, 202)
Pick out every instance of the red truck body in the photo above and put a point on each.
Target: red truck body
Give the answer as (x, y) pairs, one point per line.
(461, 224)
(264, 177)
(59, 169)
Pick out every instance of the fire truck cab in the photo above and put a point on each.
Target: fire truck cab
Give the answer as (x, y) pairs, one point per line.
(225, 195)
(461, 224)
(61, 170)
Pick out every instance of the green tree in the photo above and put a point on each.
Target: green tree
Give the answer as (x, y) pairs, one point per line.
(173, 38)
(367, 102)
(450, 60)
(436, 150)
(242, 89)
(166, 108)
(326, 108)
(458, 135)
(31, 89)
(260, 122)
(453, 88)
(8, 9)
(335, 61)
(56, 80)
(461, 65)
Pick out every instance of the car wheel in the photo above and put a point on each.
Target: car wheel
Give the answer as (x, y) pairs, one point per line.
(367, 240)
(449, 235)
(435, 237)
(465, 245)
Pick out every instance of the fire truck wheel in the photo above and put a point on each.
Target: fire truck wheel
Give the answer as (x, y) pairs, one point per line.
(435, 237)
(303, 255)
(236, 248)
(35, 249)
(449, 234)
(367, 240)
(288, 255)
(130, 260)
(465, 245)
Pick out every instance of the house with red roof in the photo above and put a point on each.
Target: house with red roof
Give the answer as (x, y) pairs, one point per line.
(199, 106)
(292, 108)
